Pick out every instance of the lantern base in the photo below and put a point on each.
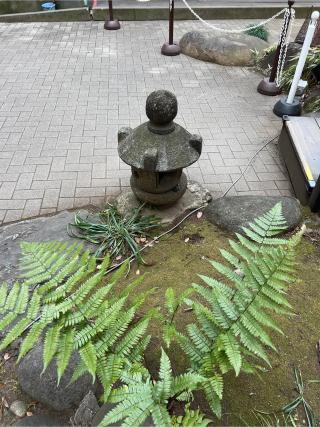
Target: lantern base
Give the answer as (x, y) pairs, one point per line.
(268, 88)
(282, 108)
(171, 49)
(161, 199)
(112, 25)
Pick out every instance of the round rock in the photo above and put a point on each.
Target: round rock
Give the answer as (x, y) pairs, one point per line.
(18, 408)
(232, 213)
(223, 49)
(161, 107)
(44, 389)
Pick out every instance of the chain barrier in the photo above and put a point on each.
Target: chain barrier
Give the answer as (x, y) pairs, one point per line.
(235, 31)
(287, 26)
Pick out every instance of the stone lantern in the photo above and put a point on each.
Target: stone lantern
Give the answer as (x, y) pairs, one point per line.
(157, 151)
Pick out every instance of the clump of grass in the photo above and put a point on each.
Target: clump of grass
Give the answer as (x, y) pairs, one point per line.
(312, 105)
(115, 234)
(300, 400)
(260, 32)
(312, 62)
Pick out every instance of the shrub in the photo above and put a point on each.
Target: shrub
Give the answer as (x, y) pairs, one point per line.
(259, 32)
(312, 62)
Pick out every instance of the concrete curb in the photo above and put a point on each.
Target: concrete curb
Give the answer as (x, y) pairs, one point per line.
(150, 14)
(63, 15)
(181, 13)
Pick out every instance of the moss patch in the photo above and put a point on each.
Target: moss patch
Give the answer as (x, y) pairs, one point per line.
(175, 262)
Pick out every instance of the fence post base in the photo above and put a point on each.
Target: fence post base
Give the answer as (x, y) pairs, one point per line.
(112, 25)
(268, 88)
(170, 49)
(282, 108)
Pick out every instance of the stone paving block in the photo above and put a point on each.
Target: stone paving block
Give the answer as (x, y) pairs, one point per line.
(32, 208)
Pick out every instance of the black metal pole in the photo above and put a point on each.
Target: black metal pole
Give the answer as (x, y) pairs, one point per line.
(171, 48)
(110, 10)
(171, 21)
(111, 23)
(268, 86)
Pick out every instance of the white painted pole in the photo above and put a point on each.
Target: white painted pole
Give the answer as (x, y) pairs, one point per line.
(303, 56)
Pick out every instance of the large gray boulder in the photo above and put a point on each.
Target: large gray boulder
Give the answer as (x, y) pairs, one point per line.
(44, 389)
(232, 213)
(221, 48)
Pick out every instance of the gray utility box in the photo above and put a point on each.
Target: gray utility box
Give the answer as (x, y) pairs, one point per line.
(300, 147)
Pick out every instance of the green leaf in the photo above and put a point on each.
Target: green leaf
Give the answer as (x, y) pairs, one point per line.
(64, 352)
(89, 357)
(51, 342)
(232, 349)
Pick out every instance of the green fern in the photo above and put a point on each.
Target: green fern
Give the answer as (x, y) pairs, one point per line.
(232, 321)
(72, 308)
(191, 418)
(141, 397)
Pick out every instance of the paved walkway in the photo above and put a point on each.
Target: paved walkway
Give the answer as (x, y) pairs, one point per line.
(66, 89)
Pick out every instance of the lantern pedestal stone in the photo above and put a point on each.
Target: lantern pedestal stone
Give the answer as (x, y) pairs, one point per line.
(157, 152)
(194, 197)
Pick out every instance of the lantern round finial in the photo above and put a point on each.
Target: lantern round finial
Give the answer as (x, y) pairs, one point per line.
(161, 107)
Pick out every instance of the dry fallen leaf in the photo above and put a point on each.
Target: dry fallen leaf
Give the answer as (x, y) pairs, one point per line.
(186, 240)
(5, 403)
(199, 214)
(137, 272)
(7, 356)
(137, 239)
(119, 258)
(143, 239)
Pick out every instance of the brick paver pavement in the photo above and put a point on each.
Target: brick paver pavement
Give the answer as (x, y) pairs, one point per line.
(66, 89)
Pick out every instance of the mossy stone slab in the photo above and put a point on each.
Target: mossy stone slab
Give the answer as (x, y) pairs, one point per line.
(233, 213)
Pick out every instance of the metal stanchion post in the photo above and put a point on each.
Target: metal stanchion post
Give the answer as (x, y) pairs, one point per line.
(268, 86)
(291, 105)
(111, 24)
(171, 48)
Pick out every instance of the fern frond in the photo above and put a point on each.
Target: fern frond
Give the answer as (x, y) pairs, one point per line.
(160, 416)
(31, 339)
(233, 316)
(64, 352)
(190, 418)
(141, 397)
(14, 333)
(109, 369)
(89, 357)
(51, 342)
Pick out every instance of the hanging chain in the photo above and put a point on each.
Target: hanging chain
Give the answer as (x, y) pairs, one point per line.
(235, 31)
(287, 27)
